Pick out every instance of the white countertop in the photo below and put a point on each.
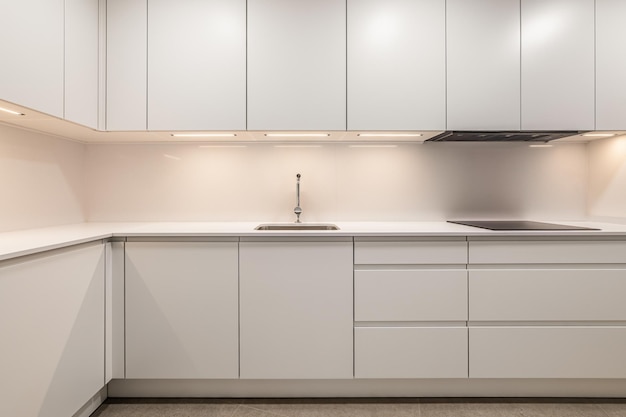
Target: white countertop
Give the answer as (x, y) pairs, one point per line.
(26, 242)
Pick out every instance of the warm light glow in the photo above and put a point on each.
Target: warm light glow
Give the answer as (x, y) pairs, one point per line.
(599, 135)
(373, 146)
(17, 113)
(298, 135)
(221, 146)
(389, 135)
(541, 146)
(203, 135)
(297, 146)
(542, 29)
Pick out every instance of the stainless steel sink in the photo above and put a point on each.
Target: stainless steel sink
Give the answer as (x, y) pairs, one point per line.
(297, 226)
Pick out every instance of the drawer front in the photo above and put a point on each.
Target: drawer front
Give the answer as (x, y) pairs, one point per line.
(547, 352)
(403, 253)
(547, 295)
(410, 352)
(542, 252)
(410, 295)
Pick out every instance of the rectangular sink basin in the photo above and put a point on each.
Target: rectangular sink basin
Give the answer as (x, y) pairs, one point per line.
(297, 226)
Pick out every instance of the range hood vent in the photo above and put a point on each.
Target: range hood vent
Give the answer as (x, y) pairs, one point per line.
(491, 136)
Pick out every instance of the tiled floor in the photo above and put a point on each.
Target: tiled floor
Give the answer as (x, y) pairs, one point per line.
(353, 407)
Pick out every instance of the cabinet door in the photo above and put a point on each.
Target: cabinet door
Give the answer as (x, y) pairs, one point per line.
(558, 64)
(31, 41)
(396, 66)
(81, 61)
(610, 65)
(547, 352)
(181, 310)
(52, 327)
(197, 65)
(483, 64)
(127, 33)
(410, 352)
(296, 65)
(296, 310)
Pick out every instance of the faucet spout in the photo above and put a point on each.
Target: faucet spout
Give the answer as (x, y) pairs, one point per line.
(298, 210)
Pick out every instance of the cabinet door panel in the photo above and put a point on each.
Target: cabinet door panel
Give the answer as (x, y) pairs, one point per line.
(396, 67)
(554, 294)
(296, 310)
(547, 352)
(558, 72)
(127, 40)
(408, 352)
(296, 65)
(81, 61)
(401, 253)
(405, 295)
(31, 41)
(483, 64)
(610, 65)
(52, 309)
(197, 65)
(181, 310)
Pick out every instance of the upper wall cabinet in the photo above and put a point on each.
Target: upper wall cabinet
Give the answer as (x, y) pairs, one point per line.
(81, 61)
(127, 70)
(31, 43)
(197, 65)
(296, 64)
(483, 71)
(610, 65)
(396, 65)
(558, 64)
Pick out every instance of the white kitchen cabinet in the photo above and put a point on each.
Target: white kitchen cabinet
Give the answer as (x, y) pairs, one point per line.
(483, 64)
(82, 62)
(296, 312)
(52, 309)
(558, 65)
(114, 319)
(296, 65)
(126, 69)
(410, 294)
(181, 310)
(610, 65)
(410, 352)
(410, 308)
(197, 65)
(557, 294)
(547, 352)
(396, 65)
(31, 41)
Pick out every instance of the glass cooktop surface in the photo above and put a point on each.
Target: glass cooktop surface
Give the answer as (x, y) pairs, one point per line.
(517, 225)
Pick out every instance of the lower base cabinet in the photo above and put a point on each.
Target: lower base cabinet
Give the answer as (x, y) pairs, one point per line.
(547, 352)
(296, 309)
(181, 310)
(52, 327)
(410, 352)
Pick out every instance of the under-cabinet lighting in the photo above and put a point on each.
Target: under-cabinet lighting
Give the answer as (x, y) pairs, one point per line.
(17, 113)
(545, 145)
(221, 146)
(298, 135)
(599, 135)
(204, 135)
(373, 146)
(297, 146)
(389, 135)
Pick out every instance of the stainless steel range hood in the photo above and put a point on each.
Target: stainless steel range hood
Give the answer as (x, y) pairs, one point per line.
(502, 136)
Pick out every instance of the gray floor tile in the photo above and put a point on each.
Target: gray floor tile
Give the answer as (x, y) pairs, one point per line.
(613, 409)
(338, 407)
(561, 409)
(470, 409)
(167, 408)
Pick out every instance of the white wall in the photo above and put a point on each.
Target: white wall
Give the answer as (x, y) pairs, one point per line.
(411, 182)
(607, 178)
(41, 180)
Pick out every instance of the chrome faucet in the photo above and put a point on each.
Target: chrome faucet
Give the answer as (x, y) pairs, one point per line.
(298, 209)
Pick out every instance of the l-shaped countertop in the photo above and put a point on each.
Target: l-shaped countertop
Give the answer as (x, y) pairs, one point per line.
(31, 241)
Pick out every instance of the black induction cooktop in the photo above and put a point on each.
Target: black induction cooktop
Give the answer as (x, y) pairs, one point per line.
(517, 225)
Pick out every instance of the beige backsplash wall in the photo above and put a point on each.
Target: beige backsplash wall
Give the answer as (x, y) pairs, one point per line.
(607, 178)
(410, 182)
(41, 180)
